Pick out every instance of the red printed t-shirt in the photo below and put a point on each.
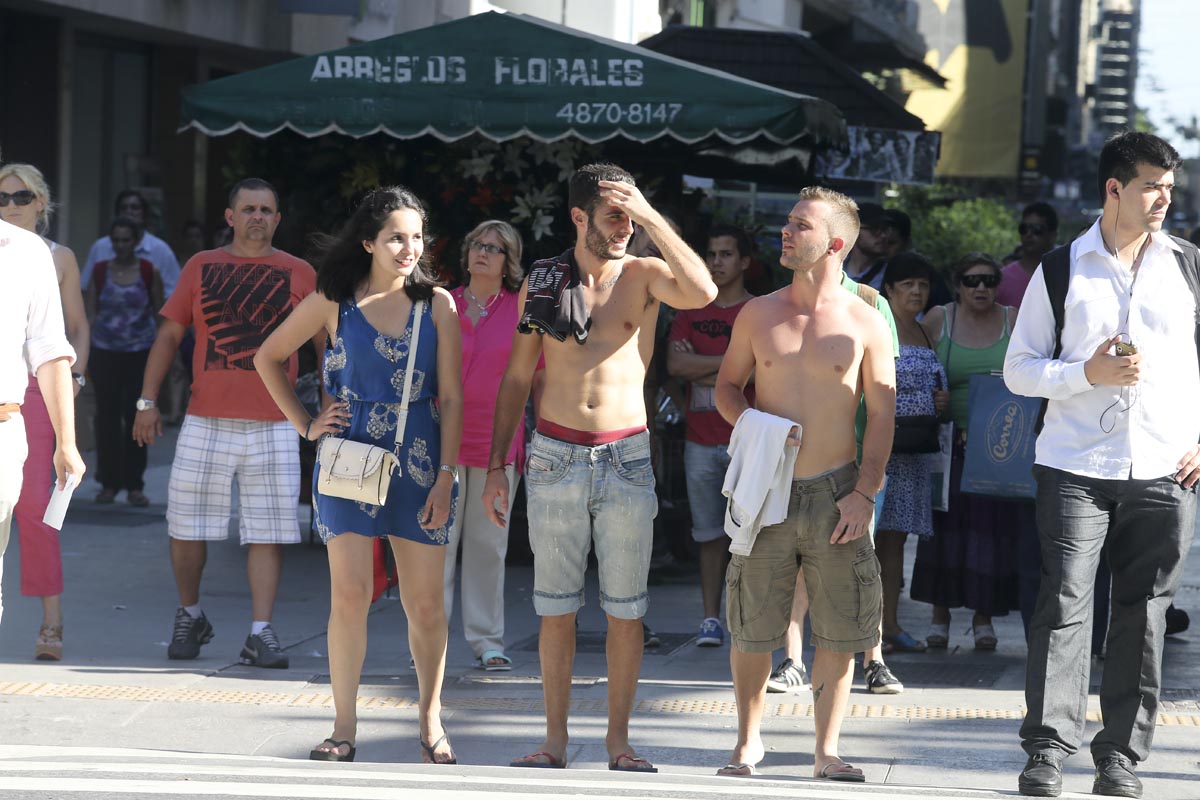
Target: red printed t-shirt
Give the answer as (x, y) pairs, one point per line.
(708, 329)
(486, 346)
(234, 304)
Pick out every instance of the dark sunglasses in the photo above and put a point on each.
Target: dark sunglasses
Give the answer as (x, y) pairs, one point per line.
(21, 198)
(973, 281)
(1036, 228)
(489, 249)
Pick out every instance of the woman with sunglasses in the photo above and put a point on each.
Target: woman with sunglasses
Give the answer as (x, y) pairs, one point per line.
(487, 315)
(971, 559)
(25, 202)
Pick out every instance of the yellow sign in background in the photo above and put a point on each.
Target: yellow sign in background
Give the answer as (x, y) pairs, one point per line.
(979, 46)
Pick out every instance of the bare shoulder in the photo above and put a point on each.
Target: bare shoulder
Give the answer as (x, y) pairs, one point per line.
(443, 302)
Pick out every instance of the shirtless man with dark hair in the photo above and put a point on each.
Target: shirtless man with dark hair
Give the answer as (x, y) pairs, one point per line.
(588, 478)
(814, 350)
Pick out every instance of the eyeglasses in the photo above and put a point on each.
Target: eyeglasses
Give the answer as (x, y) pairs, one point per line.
(21, 198)
(1036, 228)
(973, 281)
(490, 249)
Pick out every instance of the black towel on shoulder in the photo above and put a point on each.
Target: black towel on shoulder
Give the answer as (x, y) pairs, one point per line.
(554, 302)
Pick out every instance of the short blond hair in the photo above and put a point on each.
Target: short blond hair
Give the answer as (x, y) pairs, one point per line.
(513, 272)
(33, 179)
(843, 214)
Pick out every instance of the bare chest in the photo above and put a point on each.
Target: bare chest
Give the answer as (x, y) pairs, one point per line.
(806, 350)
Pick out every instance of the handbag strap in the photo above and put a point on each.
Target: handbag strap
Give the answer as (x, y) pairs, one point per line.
(401, 423)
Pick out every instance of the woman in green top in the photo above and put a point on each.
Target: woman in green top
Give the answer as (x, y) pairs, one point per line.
(971, 559)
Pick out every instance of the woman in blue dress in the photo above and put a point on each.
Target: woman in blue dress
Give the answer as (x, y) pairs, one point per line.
(370, 276)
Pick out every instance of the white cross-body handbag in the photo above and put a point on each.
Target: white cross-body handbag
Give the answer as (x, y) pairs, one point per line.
(363, 472)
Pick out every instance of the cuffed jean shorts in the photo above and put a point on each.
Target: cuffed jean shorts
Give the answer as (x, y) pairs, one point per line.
(579, 495)
(704, 466)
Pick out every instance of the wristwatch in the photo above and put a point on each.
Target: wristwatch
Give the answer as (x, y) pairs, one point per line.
(144, 404)
(78, 376)
(452, 470)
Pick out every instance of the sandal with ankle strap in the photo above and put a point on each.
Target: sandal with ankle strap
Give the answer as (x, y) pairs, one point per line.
(49, 646)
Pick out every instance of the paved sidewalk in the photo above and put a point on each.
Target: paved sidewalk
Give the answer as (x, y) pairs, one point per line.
(200, 727)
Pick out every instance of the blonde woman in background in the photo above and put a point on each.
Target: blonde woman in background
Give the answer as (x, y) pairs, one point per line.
(487, 314)
(25, 202)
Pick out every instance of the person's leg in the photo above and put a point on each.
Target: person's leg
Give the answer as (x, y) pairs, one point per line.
(714, 558)
(758, 606)
(1029, 563)
(832, 676)
(794, 648)
(41, 555)
(558, 491)
(187, 562)
(420, 568)
(268, 473)
(1073, 517)
(704, 470)
(107, 384)
(351, 578)
(1148, 546)
(624, 507)
(454, 535)
(133, 456)
(889, 547)
(1100, 607)
(483, 550)
(846, 608)
(13, 450)
(750, 672)
(264, 567)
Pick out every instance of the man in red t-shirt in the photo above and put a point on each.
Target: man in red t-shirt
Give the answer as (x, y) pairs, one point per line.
(698, 340)
(233, 297)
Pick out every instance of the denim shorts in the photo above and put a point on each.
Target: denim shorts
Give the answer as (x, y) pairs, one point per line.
(704, 466)
(578, 495)
(844, 591)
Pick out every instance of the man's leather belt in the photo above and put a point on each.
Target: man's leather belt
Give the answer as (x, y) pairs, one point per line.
(8, 409)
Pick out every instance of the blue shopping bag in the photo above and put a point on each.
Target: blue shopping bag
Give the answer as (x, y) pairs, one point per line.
(1000, 441)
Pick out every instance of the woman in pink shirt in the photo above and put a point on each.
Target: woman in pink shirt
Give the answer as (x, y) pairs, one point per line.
(487, 312)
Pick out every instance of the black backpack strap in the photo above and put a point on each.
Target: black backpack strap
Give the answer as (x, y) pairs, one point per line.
(1056, 273)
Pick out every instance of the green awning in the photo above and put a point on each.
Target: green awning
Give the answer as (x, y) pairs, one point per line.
(504, 76)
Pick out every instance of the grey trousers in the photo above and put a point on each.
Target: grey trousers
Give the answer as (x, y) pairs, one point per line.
(1148, 527)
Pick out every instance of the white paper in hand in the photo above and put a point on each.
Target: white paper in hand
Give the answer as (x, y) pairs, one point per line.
(56, 510)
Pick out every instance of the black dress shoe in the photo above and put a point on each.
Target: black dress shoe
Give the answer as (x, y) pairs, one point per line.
(1115, 778)
(1042, 777)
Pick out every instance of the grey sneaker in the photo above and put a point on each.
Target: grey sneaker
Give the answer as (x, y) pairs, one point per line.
(788, 677)
(880, 679)
(190, 632)
(262, 650)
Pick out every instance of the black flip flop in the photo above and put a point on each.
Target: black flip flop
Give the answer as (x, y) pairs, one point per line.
(431, 749)
(332, 755)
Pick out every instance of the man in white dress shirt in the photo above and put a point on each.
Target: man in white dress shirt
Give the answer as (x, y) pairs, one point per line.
(132, 204)
(1117, 464)
(32, 339)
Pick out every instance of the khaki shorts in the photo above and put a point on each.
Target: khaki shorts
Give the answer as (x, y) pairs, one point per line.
(845, 595)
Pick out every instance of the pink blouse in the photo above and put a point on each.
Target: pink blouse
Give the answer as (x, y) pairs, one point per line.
(486, 346)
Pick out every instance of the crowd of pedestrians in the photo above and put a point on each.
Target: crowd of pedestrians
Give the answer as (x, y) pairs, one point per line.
(816, 423)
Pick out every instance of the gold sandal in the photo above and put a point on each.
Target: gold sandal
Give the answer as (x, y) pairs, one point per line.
(49, 645)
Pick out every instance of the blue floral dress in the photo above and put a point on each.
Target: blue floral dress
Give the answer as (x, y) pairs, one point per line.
(365, 368)
(906, 503)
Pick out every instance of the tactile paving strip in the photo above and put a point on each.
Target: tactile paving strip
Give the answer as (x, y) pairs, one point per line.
(1169, 716)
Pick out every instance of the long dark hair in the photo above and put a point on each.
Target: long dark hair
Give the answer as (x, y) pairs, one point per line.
(342, 263)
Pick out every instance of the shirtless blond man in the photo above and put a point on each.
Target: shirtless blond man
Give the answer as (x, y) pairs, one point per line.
(588, 477)
(814, 349)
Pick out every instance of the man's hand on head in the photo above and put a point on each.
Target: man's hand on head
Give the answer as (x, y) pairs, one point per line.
(629, 199)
